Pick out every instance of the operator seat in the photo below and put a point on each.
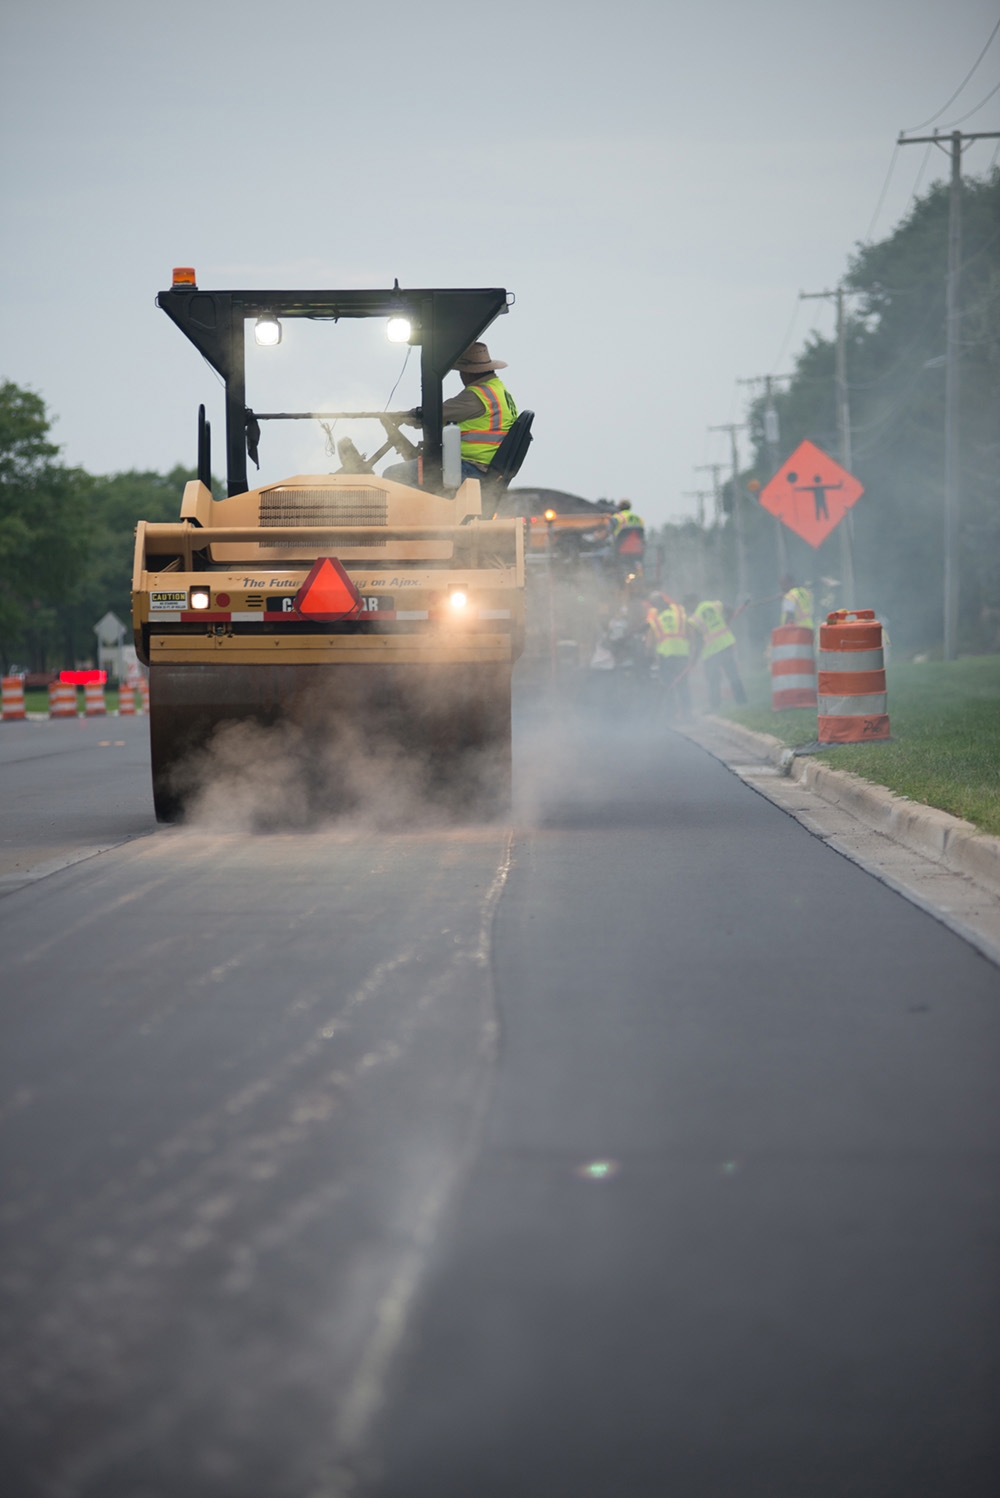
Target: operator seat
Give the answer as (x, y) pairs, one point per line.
(509, 456)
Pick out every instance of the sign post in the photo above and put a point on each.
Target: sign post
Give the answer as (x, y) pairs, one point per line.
(110, 632)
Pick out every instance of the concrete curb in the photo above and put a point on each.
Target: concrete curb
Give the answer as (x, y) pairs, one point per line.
(945, 839)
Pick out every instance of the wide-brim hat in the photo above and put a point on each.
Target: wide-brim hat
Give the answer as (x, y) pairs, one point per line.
(476, 360)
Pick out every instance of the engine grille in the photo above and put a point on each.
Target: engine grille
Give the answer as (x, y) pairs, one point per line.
(315, 506)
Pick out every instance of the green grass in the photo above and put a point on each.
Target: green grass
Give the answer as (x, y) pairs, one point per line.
(38, 702)
(945, 746)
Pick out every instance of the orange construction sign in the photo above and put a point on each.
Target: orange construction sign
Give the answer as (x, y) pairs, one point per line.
(328, 593)
(810, 493)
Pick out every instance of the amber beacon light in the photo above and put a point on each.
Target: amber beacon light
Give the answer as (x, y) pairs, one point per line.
(184, 276)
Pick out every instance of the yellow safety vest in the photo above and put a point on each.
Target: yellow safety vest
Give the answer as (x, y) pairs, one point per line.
(803, 600)
(627, 517)
(669, 628)
(482, 435)
(710, 622)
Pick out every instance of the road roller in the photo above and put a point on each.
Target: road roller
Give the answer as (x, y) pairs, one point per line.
(346, 618)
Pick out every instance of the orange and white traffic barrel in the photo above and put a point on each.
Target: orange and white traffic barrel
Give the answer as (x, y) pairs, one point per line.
(143, 694)
(13, 698)
(62, 699)
(126, 700)
(793, 667)
(852, 694)
(94, 704)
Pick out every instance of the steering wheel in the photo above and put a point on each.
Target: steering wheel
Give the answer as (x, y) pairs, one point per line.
(390, 421)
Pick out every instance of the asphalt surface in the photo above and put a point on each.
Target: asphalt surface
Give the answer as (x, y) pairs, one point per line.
(649, 1148)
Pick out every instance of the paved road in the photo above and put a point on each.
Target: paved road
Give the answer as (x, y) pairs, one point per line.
(651, 1150)
(69, 789)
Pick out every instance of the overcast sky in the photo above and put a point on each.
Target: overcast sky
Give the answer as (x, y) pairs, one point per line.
(654, 182)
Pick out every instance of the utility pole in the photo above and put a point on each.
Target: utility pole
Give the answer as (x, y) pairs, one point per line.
(714, 469)
(952, 388)
(844, 436)
(700, 495)
(741, 549)
(772, 436)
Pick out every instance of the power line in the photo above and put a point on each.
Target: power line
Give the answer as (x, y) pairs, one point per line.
(788, 335)
(958, 90)
(885, 189)
(978, 107)
(920, 175)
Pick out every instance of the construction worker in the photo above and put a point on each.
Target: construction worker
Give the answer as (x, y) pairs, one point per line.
(716, 648)
(796, 603)
(484, 413)
(666, 623)
(627, 533)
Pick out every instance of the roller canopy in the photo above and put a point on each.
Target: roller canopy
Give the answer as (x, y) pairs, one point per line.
(444, 324)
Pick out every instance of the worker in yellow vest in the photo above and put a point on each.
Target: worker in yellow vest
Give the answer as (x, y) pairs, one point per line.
(715, 644)
(625, 517)
(484, 413)
(627, 534)
(796, 604)
(667, 627)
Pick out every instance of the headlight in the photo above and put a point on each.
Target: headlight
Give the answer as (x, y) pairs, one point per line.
(458, 599)
(200, 598)
(398, 330)
(267, 331)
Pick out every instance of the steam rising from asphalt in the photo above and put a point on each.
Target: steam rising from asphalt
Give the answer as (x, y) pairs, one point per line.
(404, 749)
(254, 778)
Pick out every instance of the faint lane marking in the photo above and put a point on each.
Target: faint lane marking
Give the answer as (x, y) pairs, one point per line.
(366, 1392)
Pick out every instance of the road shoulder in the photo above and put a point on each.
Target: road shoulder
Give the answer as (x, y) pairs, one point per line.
(937, 861)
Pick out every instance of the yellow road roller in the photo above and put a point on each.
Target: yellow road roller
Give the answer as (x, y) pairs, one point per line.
(349, 609)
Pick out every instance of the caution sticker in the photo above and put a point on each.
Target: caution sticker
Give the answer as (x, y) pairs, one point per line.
(170, 601)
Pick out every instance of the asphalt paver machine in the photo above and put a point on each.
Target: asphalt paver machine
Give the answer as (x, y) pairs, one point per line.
(357, 609)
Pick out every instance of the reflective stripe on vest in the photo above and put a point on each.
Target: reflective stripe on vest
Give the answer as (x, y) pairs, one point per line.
(710, 621)
(482, 435)
(672, 632)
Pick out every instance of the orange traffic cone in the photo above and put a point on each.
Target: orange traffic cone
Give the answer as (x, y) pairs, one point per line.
(852, 695)
(793, 670)
(62, 699)
(13, 698)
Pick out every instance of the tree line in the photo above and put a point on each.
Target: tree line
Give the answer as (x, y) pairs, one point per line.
(896, 319)
(66, 538)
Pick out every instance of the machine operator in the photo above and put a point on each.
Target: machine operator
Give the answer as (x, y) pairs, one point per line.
(484, 413)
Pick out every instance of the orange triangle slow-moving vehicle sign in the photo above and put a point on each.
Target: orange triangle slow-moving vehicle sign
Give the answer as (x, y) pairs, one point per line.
(810, 493)
(328, 593)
